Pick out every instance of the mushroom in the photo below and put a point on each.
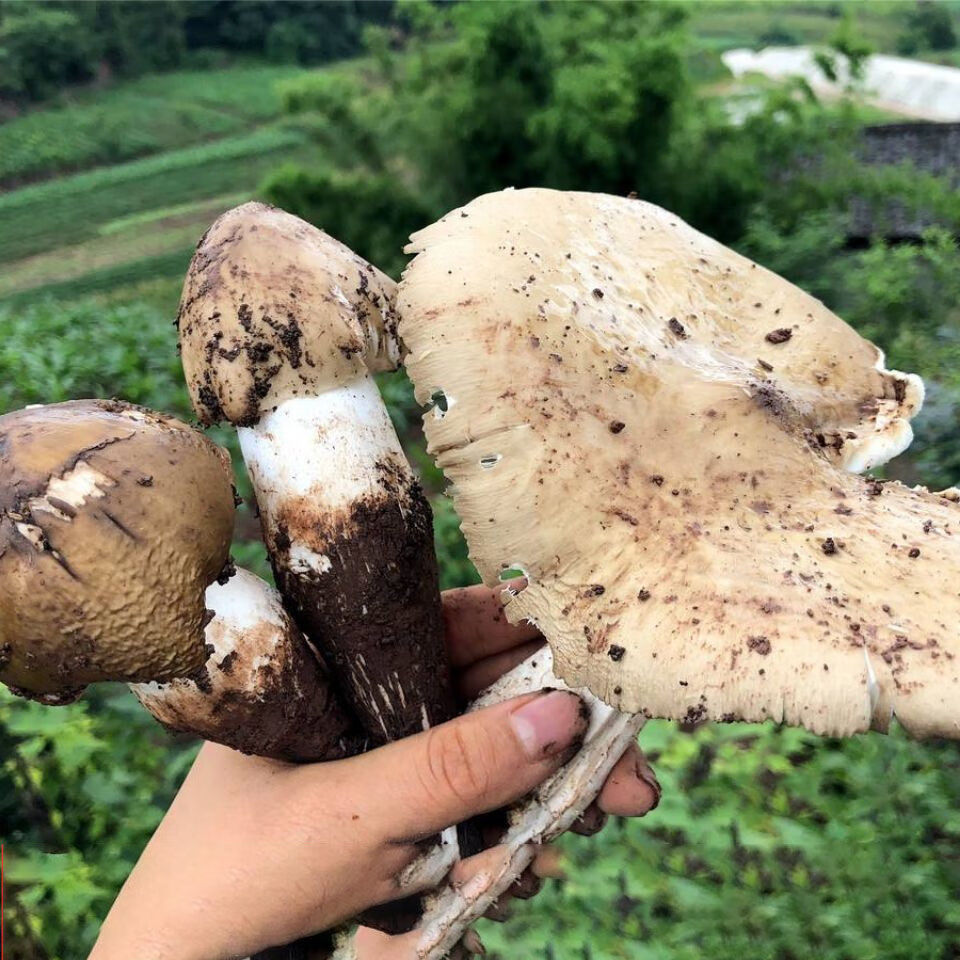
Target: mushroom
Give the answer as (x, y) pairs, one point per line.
(264, 690)
(664, 437)
(115, 526)
(113, 520)
(281, 328)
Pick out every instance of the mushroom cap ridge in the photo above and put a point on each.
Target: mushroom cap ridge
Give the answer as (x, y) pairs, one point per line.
(659, 433)
(113, 521)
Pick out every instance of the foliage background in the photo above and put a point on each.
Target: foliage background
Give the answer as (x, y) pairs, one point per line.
(769, 843)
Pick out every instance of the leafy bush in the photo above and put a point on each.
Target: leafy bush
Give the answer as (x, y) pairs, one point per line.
(41, 48)
(45, 46)
(53, 351)
(82, 788)
(929, 26)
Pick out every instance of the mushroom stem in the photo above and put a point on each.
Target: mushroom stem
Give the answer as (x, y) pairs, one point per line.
(349, 534)
(281, 328)
(546, 814)
(350, 537)
(263, 689)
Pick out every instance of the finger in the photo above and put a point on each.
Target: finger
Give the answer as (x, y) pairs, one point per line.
(631, 788)
(481, 674)
(526, 886)
(548, 864)
(461, 768)
(591, 821)
(476, 626)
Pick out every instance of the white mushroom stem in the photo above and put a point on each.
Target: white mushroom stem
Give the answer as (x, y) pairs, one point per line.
(546, 814)
(341, 510)
(324, 446)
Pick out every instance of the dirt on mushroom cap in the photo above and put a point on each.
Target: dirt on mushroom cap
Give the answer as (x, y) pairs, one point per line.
(248, 335)
(704, 516)
(113, 521)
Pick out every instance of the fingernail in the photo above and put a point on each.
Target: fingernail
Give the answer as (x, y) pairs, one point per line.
(646, 774)
(549, 724)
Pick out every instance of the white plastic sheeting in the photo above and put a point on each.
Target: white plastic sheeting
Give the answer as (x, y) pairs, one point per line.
(926, 91)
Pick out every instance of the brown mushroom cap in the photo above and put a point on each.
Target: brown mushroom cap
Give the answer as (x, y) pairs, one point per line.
(658, 432)
(248, 320)
(113, 521)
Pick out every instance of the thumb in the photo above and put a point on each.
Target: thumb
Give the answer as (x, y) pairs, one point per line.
(470, 765)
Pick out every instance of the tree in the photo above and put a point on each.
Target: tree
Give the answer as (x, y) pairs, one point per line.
(929, 26)
(42, 48)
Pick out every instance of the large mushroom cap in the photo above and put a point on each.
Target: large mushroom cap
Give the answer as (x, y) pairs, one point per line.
(659, 433)
(113, 521)
(274, 308)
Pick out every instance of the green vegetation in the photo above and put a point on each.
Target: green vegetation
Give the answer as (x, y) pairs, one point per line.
(725, 24)
(47, 46)
(60, 212)
(149, 115)
(769, 844)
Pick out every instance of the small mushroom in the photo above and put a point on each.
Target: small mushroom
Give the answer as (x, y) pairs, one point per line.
(744, 615)
(115, 526)
(264, 690)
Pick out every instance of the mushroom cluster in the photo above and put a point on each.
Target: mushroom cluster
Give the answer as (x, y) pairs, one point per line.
(665, 438)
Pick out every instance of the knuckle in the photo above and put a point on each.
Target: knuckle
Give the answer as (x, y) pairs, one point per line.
(459, 764)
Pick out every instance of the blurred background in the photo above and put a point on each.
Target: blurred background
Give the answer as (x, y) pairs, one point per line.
(821, 139)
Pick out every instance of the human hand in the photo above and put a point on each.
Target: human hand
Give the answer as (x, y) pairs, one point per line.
(255, 852)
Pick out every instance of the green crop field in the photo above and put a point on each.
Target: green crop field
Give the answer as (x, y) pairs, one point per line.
(145, 116)
(723, 25)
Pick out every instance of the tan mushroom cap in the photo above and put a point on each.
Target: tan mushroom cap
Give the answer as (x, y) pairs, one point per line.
(274, 308)
(659, 433)
(113, 521)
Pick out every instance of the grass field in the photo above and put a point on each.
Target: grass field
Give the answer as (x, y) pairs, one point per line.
(111, 188)
(725, 25)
